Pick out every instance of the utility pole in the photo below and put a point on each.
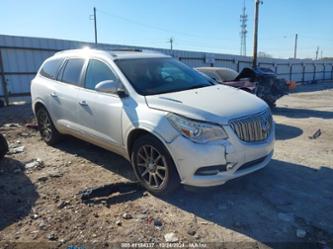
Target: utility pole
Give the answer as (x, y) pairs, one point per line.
(95, 25)
(243, 19)
(171, 44)
(317, 52)
(295, 49)
(255, 42)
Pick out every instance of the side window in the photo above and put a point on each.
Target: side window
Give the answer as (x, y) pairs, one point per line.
(72, 71)
(97, 71)
(50, 68)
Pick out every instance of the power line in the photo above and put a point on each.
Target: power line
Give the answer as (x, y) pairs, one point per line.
(157, 28)
(199, 39)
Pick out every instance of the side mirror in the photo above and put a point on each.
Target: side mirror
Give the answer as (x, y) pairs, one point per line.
(110, 86)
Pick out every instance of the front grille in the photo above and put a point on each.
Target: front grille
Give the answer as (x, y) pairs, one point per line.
(253, 128)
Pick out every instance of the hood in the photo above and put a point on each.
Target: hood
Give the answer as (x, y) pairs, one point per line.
(217, 104)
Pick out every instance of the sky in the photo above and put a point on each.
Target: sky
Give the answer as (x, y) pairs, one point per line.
(197, 25)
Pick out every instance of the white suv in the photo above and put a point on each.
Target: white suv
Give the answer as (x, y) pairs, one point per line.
(173, 124)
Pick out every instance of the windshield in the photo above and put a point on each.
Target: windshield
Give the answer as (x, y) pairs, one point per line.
(150, 76)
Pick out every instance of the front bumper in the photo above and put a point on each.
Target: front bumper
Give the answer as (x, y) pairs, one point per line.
(244, 158)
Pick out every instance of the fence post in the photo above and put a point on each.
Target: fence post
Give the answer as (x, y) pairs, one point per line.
(303, 73)
(290, 71)
(3, 79)
(314, 72)
(324, 70)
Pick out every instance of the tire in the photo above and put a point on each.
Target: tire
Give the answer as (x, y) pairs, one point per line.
(3, 147)
(156, 173)
(46, 127)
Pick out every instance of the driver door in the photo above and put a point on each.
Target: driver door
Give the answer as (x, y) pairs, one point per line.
(100, 113)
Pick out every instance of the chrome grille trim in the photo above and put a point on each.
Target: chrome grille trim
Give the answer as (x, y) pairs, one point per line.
(255, 128)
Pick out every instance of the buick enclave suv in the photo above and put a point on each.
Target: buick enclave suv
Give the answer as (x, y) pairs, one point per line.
(173, 124)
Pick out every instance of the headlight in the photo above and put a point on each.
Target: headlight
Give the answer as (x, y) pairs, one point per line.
(199, 132)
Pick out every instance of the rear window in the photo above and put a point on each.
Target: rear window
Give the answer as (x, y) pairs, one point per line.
(50, 68)
(72, 71)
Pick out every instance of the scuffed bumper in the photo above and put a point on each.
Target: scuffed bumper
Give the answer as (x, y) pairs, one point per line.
(189, 157)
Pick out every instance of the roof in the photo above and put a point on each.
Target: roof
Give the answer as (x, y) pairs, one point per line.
(115, 54)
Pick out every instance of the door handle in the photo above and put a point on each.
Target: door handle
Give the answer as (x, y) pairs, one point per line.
(83, 103)
(53, 94)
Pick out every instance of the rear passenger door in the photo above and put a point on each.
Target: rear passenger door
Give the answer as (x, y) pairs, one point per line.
(65, 95)
(48, 86)
(100, 113)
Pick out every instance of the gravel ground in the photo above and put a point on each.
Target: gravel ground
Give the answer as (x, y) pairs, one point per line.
(291, 200)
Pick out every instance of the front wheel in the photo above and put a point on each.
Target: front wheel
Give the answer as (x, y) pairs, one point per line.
(153, 166)
(46, 128)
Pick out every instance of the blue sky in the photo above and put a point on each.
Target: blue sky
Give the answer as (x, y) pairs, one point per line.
(200, 25)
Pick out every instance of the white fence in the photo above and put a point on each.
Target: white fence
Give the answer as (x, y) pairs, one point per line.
(20, 57)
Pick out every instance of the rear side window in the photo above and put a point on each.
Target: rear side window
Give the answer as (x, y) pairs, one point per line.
(97, 71)
(50, 68)
(72, 71)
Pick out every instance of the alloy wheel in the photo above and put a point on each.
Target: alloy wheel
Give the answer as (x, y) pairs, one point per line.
(45, 125)
(152, 166)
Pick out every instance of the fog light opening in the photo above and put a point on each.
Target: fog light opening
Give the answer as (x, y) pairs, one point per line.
(210, 170)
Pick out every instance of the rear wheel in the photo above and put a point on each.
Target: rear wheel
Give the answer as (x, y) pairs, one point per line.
(154, 166)
(46, 128)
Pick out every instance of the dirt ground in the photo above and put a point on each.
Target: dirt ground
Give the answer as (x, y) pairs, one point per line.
(291, 200)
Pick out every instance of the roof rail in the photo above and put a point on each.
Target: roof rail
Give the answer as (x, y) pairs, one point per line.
(126, 49)
(113, 51)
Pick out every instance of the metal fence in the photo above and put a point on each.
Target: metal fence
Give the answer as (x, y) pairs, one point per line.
(20, 58)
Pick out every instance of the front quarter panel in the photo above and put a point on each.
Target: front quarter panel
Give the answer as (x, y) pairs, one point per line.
(150, 120)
